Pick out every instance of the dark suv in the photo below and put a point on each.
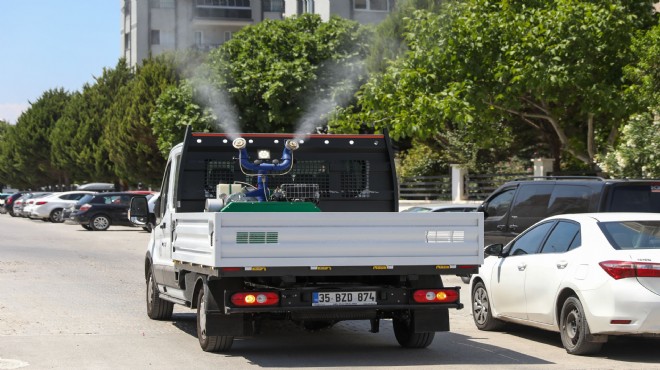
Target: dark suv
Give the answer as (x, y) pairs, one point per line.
(99, 211)
(517, 205)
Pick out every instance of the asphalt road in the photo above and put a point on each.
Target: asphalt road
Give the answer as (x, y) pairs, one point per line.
(74, 299)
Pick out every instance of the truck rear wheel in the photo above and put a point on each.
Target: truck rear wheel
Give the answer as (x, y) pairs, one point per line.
(404, 331)
(157, 308)
(209, 343)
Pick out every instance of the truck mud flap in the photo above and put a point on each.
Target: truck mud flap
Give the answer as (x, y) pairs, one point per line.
(426, 321)
(229, 325)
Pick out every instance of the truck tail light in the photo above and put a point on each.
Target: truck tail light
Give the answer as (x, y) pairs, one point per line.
(85, 207)
(435, 296)
(250, 299)
(626, 269)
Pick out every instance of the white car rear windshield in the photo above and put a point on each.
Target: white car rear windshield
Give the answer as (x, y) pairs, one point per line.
(632, 234)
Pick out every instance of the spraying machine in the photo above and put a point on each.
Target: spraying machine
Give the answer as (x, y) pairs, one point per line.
(313, 237)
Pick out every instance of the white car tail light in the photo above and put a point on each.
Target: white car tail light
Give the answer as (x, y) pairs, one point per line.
(625, 269)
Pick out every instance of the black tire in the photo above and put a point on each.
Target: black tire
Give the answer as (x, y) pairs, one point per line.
(56, 216)
(99, 223)
(481, 311)
(404, 331)
(574, 329)
(11, 213)
(157, 308)
(209, 343)
(87, 227)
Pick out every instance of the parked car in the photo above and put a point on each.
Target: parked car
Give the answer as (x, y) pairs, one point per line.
(21, 202)
(517, 205)
(100, 210)
(586, 276)
(50, 208)
(9, 202)
(443, 208)
(3, 196)
(28, 204)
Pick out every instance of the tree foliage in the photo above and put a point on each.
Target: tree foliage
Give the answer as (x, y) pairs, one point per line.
(477, 66)
(276, 72)
(128, 136)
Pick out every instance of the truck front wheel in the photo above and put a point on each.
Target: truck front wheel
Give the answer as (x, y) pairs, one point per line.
(209, 343)
(157, 308)
(404, 331)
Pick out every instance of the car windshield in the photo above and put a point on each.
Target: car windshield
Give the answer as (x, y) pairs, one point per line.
(632, 234)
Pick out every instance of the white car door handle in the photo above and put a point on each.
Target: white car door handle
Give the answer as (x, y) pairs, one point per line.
(562, 264)
(522, 267)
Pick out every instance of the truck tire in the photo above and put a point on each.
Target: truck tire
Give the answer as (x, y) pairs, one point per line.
(157, 308)
(56, 216)
(481, 310)
(574, 329)
(209, 343)
(99, 223)
(404, 332)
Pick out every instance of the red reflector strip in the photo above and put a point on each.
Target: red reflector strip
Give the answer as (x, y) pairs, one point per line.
(249, 299)
(626, 269)
(467, 266)
(231, 269)
(435, 296)
(620, 322)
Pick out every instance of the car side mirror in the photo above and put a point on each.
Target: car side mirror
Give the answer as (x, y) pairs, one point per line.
(482, 209)
(138, 213)
(494, 250)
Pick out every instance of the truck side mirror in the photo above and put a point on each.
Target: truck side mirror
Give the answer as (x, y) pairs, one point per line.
(138, 213)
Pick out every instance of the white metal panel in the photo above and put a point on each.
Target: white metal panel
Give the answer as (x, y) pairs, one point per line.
(330, 239)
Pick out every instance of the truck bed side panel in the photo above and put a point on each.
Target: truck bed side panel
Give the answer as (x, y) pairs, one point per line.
(328, 239)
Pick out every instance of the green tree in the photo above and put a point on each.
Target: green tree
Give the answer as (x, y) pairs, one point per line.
(78, 136)
(283, 74)
(636, 153)
(175, 109)
(32, 139)
(477, 67)
(128, 135)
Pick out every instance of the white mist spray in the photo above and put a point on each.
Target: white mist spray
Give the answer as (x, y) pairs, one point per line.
(218, 101)
(344, 81)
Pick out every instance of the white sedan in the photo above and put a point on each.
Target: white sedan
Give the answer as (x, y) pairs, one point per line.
(50, 208)
(587, 276)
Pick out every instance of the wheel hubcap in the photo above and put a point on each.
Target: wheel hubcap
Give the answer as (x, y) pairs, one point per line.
(57, 216)
(150, 291)
(480, 305)
(202, 318)
(101, 222)
(572, 325)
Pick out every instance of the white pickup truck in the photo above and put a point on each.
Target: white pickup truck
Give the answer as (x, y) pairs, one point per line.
(311, 236)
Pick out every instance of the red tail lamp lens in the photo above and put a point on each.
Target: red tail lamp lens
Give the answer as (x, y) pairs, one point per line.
(626, 269)
(249, 299)
(85, 207)
(41, 202)
(435, 296)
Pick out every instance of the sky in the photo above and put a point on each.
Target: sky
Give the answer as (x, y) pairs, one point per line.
(51, 44)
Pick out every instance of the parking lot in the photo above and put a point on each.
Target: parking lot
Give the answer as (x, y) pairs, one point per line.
(71, 298)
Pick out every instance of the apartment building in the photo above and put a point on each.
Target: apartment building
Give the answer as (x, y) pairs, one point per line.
(362, 11)
(151, 27)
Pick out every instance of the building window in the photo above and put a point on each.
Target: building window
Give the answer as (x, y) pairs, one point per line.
(127, 7)
(274, 6)
(161, 4)
(225, 3)
(155, 37)
(373, 5)
(127, 41)
(198, 38)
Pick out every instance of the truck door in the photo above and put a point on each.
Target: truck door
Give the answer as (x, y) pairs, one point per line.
(163, 228)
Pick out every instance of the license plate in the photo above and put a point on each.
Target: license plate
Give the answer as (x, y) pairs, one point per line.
(343, 298)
